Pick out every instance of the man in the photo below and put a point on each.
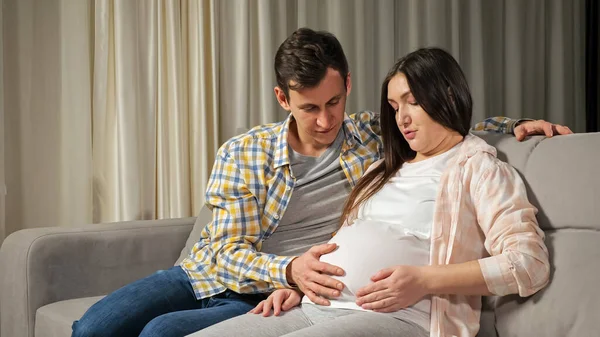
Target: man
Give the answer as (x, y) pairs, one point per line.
(276, 194)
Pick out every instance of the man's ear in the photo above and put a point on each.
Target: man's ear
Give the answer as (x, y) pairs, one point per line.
(282, 99)
(348, 84)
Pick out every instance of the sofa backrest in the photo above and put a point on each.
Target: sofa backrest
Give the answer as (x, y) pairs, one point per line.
(202, 220)
(563, 180)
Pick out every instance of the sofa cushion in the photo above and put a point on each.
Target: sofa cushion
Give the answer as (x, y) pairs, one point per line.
(202, 220)
(562, 175)
(56, 319)
(568, 306)
(509, 149)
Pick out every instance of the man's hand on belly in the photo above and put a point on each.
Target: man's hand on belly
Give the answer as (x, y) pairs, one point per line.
(312, 275)
(393, 289)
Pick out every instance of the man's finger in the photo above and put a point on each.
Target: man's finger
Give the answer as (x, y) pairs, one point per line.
(521, 132)
(323, 291)
(327, 281)
(326, 268)
(323, 249)
(316, 299)
(547, 128)
(563, 130)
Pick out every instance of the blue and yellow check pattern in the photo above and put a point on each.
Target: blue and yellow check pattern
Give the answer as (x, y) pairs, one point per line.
(248, 191)
(499, 124)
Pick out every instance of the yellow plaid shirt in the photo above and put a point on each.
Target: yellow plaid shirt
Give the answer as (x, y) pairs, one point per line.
(248, 191)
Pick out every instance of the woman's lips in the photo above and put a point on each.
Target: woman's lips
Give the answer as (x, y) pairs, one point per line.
(410, 134)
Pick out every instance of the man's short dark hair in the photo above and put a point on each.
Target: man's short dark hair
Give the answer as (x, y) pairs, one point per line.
(304, 58)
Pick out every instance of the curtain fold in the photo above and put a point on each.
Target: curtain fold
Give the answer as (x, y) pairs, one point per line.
(2, 139)
(521, 59)
(47, 90)
(114, 110)
(155, 111)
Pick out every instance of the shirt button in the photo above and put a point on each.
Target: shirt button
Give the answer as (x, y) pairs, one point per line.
(288, 187)
(276, 216)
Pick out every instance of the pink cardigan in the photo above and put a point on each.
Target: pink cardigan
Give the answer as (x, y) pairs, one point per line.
(482, 213)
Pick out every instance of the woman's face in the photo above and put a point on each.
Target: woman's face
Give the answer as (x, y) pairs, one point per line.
(424, 135)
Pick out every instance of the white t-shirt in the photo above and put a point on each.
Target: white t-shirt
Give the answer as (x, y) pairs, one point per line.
(392, 228)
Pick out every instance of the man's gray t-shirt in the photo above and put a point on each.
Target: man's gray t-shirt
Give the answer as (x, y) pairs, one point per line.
(314, 210)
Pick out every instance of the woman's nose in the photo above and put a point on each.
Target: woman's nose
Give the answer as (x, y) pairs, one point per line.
(402, 118)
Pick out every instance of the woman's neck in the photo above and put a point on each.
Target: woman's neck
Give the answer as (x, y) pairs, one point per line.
(445, 145)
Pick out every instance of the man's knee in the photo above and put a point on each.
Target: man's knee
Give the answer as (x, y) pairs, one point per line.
(94, 324)
(161, 326)
(84, 328)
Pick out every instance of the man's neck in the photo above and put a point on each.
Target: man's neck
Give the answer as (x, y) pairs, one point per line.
(303, 143)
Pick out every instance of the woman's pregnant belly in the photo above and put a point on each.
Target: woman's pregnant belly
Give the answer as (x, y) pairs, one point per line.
(367, 247)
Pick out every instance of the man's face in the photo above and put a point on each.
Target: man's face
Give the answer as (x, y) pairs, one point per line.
(319, 111)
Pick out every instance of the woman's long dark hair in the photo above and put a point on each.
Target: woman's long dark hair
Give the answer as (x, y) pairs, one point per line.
(439, 86)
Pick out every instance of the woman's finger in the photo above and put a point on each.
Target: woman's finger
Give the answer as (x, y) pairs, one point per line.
(277, 300)
(373, 297)
(267, 306)
(292, 301)
(258, 308)
(380, 305)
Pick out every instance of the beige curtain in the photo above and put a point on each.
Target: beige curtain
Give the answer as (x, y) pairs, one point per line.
(154, 108)
(522, 58)
(114, 109)
(47, 112)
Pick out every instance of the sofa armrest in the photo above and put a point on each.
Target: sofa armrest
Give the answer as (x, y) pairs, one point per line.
(46, 265)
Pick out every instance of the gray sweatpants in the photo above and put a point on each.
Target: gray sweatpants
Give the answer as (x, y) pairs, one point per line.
(311, 321)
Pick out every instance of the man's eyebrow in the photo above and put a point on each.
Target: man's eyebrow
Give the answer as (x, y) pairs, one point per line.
(338, 96)
(311, 105)
(306, 106)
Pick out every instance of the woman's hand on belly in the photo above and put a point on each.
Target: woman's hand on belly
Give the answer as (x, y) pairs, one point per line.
(393, 289)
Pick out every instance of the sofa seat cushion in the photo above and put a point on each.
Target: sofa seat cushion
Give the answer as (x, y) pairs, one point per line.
(56, 319)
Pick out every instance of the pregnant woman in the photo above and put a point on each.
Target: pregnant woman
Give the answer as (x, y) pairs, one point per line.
(427, 231)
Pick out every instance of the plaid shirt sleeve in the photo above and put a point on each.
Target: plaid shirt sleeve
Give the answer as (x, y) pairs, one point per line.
(499, 124)
(519, 258)
(236, 230)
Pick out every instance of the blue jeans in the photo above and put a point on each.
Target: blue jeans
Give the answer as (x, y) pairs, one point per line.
(162, 304)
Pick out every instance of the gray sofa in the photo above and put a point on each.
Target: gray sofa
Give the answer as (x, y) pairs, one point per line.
(50, 276)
